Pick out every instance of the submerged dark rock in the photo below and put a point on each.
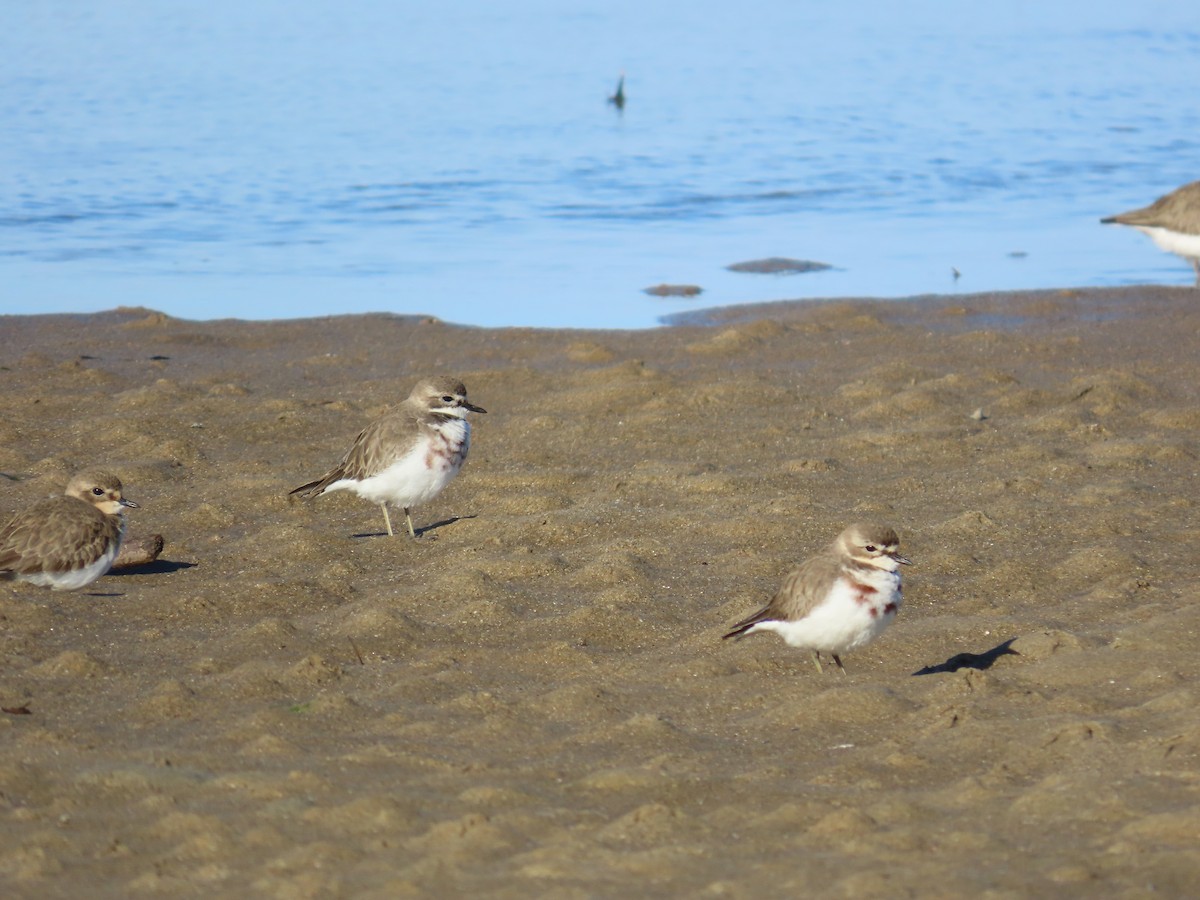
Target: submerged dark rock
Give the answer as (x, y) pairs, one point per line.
(674, 290)
(778, 265)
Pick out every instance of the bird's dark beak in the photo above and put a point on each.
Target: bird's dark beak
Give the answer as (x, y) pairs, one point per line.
(472, 407)
(903, 560)
(129, 503)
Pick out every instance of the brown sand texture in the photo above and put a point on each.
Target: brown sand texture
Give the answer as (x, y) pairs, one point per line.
(533, 699)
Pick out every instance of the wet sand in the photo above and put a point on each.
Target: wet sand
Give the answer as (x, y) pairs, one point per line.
(533, 700)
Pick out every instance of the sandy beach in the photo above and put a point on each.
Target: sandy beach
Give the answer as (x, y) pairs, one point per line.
(533, 699)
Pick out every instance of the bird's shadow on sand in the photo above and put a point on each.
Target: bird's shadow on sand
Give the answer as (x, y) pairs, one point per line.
(978, 661)
(421, 532)
(158, 567)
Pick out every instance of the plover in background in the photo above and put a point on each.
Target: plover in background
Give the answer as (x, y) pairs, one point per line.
(839, 600)
(67, 542)
(1172, 221)
(408, 455)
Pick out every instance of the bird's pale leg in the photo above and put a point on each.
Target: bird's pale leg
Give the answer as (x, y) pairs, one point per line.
(387, 519)
(408, 521)
(837, 659)
(817, 662)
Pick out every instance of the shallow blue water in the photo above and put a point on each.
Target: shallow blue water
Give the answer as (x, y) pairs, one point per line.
(272, 159)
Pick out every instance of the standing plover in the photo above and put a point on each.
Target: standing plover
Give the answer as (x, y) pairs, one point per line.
(408, 455)
(67, 542)
(839, 600)
(1172, 221)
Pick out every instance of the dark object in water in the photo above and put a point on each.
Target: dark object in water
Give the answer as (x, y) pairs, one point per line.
(618, 98)
(778, 265)
(675, 290)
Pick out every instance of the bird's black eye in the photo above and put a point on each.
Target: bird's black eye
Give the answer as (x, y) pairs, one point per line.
(871, 548)
(98, 491)
(447, 399)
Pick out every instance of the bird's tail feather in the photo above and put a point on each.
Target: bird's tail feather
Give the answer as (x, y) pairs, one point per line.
(312, 489)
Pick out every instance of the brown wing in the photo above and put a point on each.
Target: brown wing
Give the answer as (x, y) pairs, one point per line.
(57, 535)
(377, 446)
(800, 592)
(337, 473)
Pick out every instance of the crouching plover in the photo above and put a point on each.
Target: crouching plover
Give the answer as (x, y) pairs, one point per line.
(408, 455)
(1173, 222)
(839, 600)
(67, 542)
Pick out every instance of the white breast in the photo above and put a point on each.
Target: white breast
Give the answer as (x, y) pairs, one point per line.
(1173, 241)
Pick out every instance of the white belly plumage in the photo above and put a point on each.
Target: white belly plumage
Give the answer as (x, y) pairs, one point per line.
(845, 621)
(419, 476)
(76, 578)
(1187, 245)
